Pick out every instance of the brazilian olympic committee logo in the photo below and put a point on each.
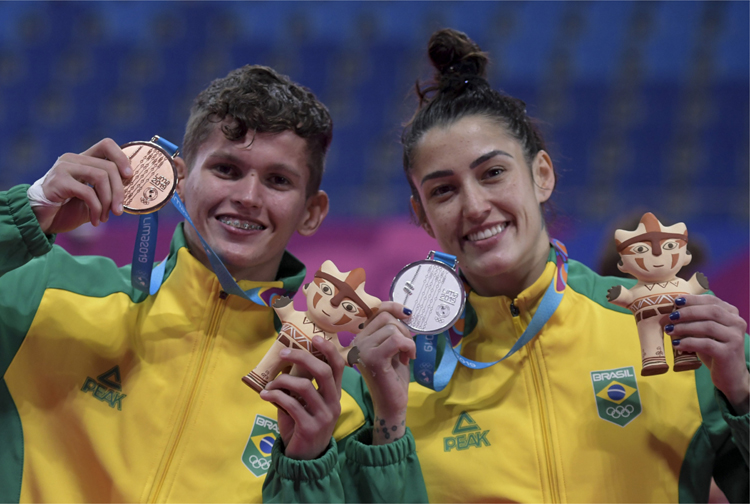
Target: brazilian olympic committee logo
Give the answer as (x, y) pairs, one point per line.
(616, 393)
(257, 454)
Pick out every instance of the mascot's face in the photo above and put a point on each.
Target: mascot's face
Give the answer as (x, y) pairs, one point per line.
(655, 264)
(653, 252)
(337, 301)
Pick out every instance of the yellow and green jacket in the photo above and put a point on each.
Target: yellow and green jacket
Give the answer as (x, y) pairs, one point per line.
(568, 418)
(109, 394)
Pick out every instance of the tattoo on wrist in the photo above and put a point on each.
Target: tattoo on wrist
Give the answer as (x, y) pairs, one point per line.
(382, 428)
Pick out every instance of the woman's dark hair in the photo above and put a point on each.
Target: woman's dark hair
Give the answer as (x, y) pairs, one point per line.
(460, 89)
(258, 98)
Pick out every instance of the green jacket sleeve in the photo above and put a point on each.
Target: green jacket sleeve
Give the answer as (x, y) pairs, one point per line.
(739, 426)
(358, 473)
(719, 447)
(350, 470)
(21, 286)
(387, 473)
(30, 264)
(731, 471)
(290, 480)
(21, 238)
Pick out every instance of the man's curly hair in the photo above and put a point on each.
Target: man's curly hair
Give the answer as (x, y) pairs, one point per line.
(257, 98)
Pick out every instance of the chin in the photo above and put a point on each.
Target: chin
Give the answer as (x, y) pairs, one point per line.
(239, 261)
(488, 268)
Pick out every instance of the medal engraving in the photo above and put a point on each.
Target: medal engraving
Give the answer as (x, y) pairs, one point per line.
(434, 293)
(154, 178)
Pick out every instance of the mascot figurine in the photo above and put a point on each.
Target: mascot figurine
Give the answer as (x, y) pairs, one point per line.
(336, 302)
(653, 254)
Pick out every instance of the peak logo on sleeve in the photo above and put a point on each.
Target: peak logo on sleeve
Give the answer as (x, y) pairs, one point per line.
(616, 394)
(106, 388)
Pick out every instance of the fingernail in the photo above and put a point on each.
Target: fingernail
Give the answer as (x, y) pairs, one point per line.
(669, 328)
(317, 339)
(675, 315)
(128, 171)
(676, 342)
(680, 301)
(285, 352)
(119, 208)
(263, 393)
(407, 311)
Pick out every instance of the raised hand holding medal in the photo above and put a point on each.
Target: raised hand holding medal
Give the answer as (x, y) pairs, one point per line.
(81, 188)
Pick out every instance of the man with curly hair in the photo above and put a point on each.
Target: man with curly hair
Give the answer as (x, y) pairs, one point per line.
(113, 394)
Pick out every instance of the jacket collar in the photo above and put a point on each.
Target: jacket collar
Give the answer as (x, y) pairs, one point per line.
(527, 301)
(289, 277)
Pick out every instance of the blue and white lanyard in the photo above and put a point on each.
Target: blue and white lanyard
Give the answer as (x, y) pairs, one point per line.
(424, 365)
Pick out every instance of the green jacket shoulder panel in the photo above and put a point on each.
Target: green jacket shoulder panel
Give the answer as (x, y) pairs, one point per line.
(590, 284)
(91, 276)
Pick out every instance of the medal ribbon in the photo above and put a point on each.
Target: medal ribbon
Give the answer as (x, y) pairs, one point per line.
(148, 279)
(424, 365)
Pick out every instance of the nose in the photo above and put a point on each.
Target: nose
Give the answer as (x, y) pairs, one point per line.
(475, 205)
(656, 248)
(248, 191)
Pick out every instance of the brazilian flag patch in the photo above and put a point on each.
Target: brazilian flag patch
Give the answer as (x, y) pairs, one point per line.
(257, 454)
(616, 394)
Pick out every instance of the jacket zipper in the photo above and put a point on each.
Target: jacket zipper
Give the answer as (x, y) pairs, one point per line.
(206, 345)
(549, 454)
(536, 374)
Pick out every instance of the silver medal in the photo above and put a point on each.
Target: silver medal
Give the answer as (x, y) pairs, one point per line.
(434, 293)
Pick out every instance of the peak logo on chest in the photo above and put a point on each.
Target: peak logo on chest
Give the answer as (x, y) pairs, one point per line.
(107, 388)
(466, 434)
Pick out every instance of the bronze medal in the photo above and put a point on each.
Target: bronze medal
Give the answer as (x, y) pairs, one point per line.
(154, 178)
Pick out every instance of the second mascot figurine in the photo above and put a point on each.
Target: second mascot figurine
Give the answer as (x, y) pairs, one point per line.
(336, 302)
(653, 254)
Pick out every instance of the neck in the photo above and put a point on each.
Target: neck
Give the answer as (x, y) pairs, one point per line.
(517, 279)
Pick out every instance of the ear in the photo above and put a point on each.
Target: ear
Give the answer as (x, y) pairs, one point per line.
(416, 206)
(621, 266)
(316, 209)
(182, 173)
(688, 259)
(544, 176)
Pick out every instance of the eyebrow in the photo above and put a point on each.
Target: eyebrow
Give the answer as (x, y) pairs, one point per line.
(436, 174)
(478, 161)
(484, 157)
(236, 160)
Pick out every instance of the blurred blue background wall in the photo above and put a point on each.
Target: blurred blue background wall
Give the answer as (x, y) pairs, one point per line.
(644, 104)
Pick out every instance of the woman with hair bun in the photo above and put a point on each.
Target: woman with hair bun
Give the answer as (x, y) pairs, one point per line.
(565, 418)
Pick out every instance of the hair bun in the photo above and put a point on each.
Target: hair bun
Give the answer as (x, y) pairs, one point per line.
(453, 53)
